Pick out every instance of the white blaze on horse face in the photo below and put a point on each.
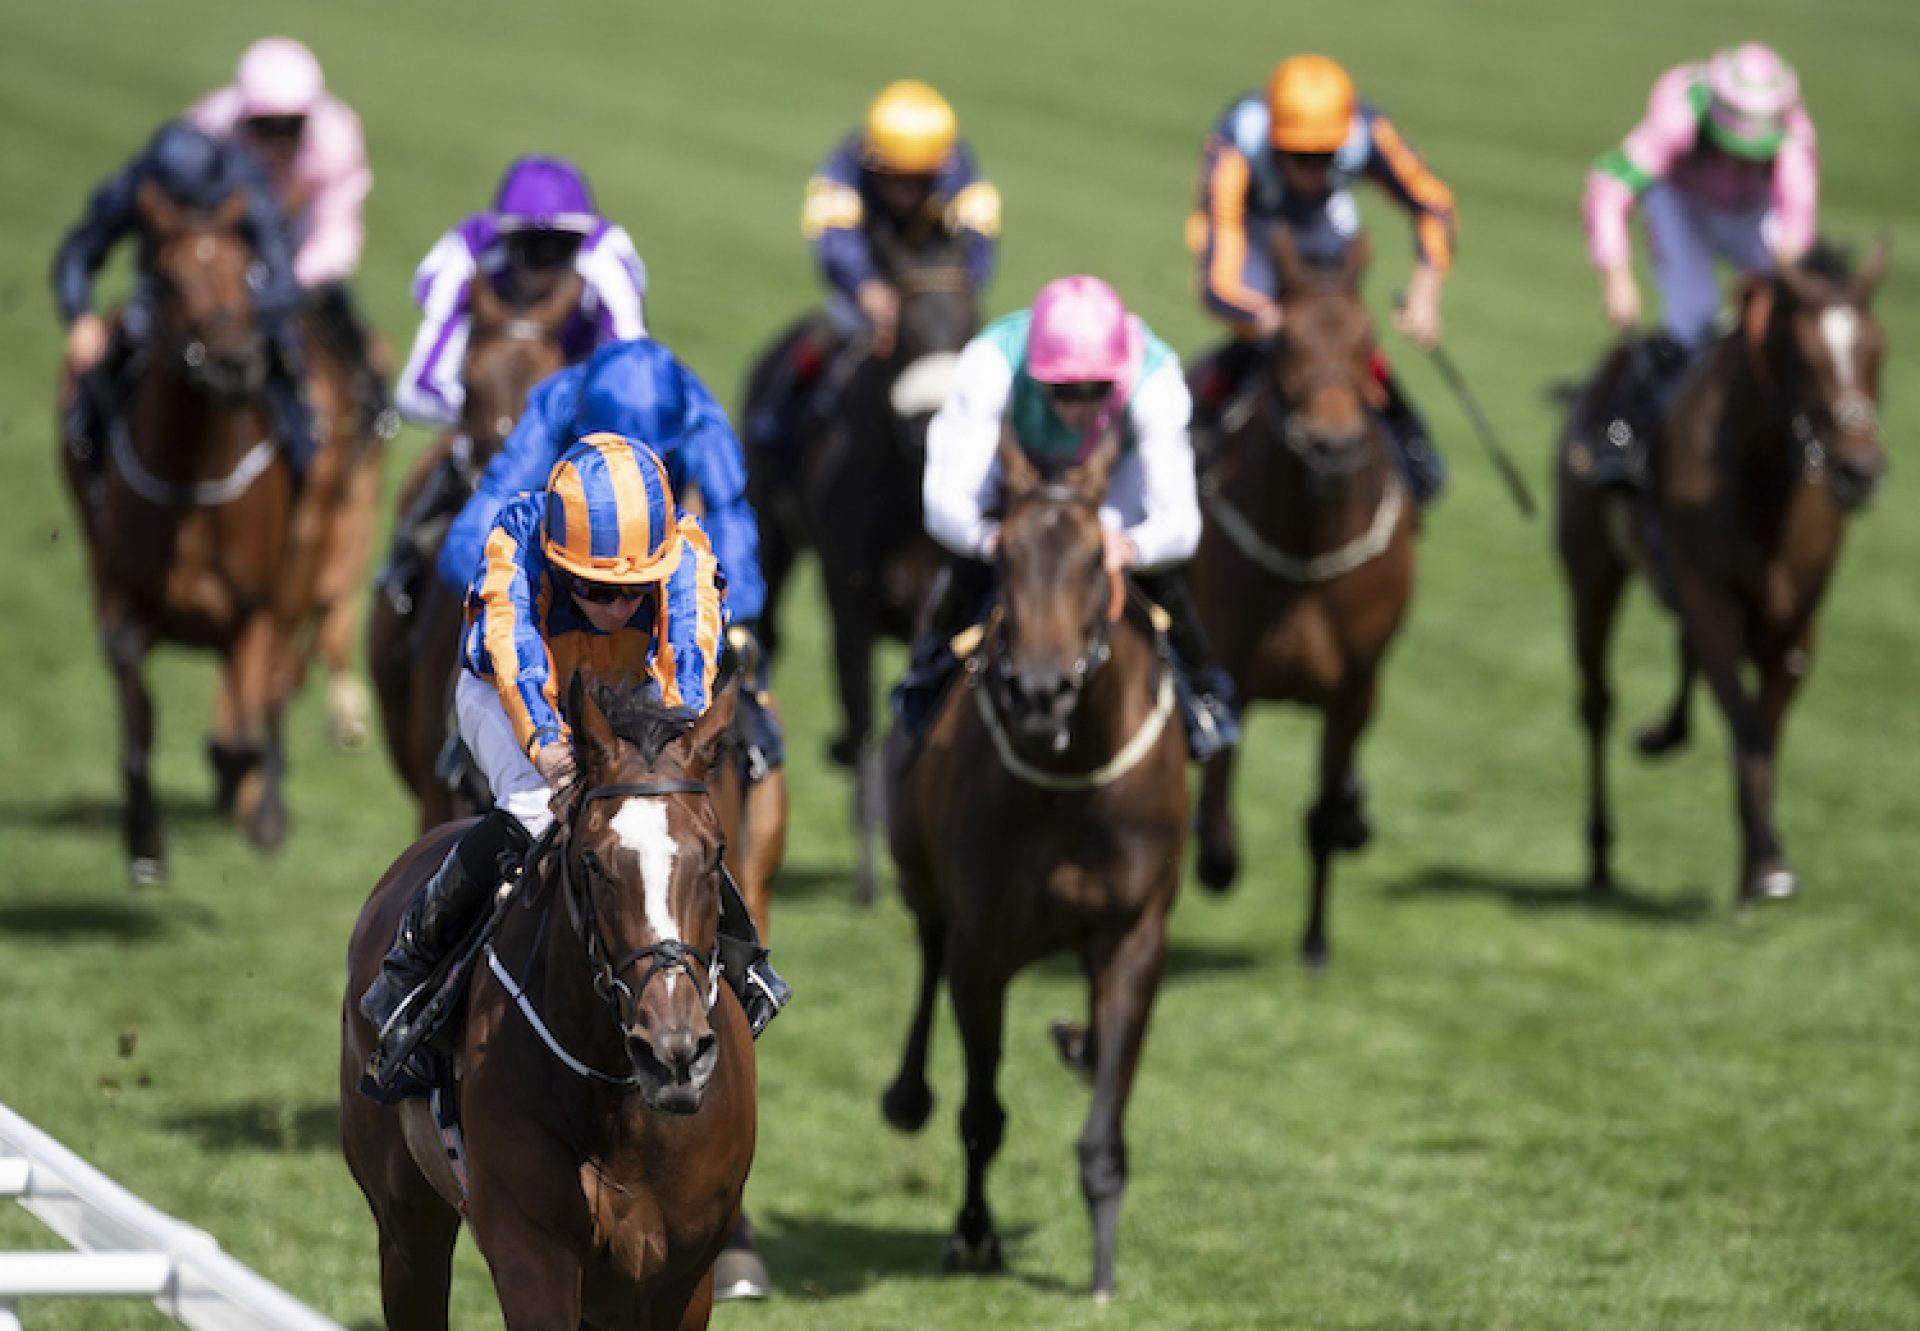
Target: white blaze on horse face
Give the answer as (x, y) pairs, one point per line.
(641, 825)
(1839, 326)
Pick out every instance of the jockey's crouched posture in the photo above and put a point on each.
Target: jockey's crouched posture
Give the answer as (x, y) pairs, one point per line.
(1290, 159)
(1059, 376)
(903, 173)
(196, 172)
(640, 390)
(599, 571)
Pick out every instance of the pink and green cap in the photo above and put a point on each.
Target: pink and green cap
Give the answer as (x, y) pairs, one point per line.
(1079, 333)
(1752, 89)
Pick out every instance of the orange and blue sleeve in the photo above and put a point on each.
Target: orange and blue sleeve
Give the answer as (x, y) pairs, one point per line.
(1223, 198)
(692, 619)
(506, 642)
(1393, 162)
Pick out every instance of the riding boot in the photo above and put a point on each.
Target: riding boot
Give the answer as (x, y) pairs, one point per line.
(1216, 383)
(1211, 703)
(1421, 465)
(761, 991)
(417, 535)
(343, 327)
(288, 415)
(97, 395)
(766, 741)
(490, 852)
(957, 601)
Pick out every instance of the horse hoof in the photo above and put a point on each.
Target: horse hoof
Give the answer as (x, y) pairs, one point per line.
(1658, 741)
(978, 1257)
(907, 1107)
(1352, 832)
(1778, 884)
(349, 714)
(1217, 867)
(1316, 959)
(262, 816)
(844, 752)
(740, 1274)
(1600, 885)
(1102, 1297)
(146, 870)
(1075, 1049)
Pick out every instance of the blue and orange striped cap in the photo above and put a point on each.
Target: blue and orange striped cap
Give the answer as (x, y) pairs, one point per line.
(609, 513)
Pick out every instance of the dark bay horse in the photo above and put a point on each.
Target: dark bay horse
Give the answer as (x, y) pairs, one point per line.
(1305, 566)
(1771, 442)
(412, 655)
(189, 528)
(1046, 811)
(605, 1071)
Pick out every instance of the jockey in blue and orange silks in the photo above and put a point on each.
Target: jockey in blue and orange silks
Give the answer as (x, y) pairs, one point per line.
(600, 572)
(1289, 157)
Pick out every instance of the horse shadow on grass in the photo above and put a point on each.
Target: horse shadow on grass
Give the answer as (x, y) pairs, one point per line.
(817, 1257)
(263, 1125)
(1184, 961)
(91, 814)
(58, 921)
(1535, 894)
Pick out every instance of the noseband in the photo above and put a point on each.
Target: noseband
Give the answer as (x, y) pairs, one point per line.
(1099, 647)
(1331, 461)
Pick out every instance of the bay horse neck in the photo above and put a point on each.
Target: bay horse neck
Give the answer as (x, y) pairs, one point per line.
(504, 362)
(183, 432)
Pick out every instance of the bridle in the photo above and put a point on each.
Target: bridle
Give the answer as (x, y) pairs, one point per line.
(1325, 460)
(1098, 649)
(1852, 411)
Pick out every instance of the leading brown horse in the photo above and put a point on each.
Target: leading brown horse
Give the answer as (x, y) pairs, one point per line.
(1045, 811)
(1771, 442)
(605, 1073)
(188, 529)
(1305, 566)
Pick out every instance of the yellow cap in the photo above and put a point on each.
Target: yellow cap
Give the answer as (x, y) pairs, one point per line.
(1311, 99)
(910, 130)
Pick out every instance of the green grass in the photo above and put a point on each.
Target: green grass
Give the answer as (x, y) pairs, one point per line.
(1502, 1107)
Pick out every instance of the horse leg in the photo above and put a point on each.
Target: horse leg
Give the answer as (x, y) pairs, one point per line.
(1219, 843)
(536, 1277)
(869, 819)
(979, 999)
(126, 645)
(1781, 673)
(417, 1234)
(1336, 821)
(908, 1101)
(255, 671)
(853, 673)
(230, 759)
(349, 706)
(1673, 731)
(1124, 983)
(1596, 602)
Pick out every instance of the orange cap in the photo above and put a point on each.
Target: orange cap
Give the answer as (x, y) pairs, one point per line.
(1311, 100)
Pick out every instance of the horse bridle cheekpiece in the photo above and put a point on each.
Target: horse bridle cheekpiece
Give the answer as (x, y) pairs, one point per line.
(1099, 647)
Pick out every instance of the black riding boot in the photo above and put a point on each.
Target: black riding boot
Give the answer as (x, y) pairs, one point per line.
(285, 402)
(344, 329)
(1421, 465)
(97, 396)
(959, 597)
(490, 853)
(1208, 697)
(417, 536)
(761, 991)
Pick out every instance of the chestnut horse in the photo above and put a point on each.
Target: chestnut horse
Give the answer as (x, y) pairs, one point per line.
(1770, 443)
(1305, 566)
(605, 1073)
(1045, 811)
(854, 493)
(189, 527)
(413, 655)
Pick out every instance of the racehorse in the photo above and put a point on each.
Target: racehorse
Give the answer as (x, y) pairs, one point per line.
(605, 1073)
(1771, 442)
(413, 654)
(1046, 810)
(1305, 565)
(189, 526)
(854, 493)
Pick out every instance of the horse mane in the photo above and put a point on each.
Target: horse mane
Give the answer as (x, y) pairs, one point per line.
(641, 720)
(1829, 260)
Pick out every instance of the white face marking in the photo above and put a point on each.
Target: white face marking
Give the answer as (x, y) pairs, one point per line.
(203, 249)
(641, 825)
(1839, 326)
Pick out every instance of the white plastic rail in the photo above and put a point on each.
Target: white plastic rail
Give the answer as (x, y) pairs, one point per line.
(124, 1247)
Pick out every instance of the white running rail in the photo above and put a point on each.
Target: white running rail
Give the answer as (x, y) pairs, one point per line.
(124, 1247)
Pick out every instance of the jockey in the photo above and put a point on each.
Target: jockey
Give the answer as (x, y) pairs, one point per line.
(543, 225)
(199, 173)
(310, 143)
(1060, 374)
(1290, 158)
(641, 390)
(1722, 167)
(906, 170)
(597, 571)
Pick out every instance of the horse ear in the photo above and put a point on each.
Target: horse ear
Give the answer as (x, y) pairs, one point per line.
(1359, 255)
(1286, 259)
(1756, 308)
(553, 309)
(711, 730)
(1874, 270)
(484, 303)
(1090, 477)
(596, 740)
(160, 213)
(1017, 472)
(1800, 284)
(232, 211)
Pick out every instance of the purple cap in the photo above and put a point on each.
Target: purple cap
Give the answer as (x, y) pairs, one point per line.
(544, 194)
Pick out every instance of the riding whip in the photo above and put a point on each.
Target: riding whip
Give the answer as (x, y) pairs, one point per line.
(1502, 462)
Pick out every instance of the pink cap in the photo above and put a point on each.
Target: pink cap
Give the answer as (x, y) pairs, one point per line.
(279, 77)
(1753, 89)
(1079, 333)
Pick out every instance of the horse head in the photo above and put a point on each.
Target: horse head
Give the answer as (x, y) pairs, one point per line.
(201, 264)
(1321, 369)
(641, 864)
(939, 312)
(1058, 599)
(1813, 338)
(510, 348)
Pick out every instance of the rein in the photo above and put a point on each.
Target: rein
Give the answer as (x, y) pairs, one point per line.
(667, 956)
(187, 494)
